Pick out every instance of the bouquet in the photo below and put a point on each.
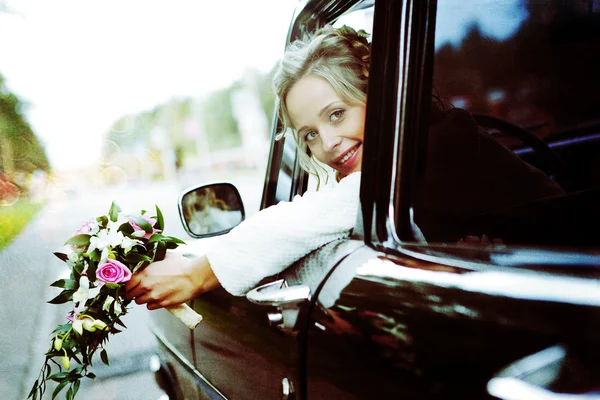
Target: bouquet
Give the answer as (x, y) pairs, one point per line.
(102, 256)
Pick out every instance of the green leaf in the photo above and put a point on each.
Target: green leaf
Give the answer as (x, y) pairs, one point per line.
(76, 387)
(70, 393)
(62, 329)
(142, 223)
(58, 376)
(77, 270)
(160, 220)
(62, 256)
(114, 211)
(126, 228)
(95, 255)
(161, 251)
(175, 240)
(118, 321)
(156, 237)
(171, 245)
(59, 388)
(64, 284)
(79, 240)
(33, 392)
(103, 220)
(63, 297)
(91, 375)
(134, 258)
(91, 272)
(104, 357)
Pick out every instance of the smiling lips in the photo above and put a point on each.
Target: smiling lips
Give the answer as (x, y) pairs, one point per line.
(345, 157)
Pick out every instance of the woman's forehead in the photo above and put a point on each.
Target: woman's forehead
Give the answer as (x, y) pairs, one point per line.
(309, 97)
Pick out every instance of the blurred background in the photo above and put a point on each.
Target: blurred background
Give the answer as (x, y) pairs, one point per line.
(131, 101)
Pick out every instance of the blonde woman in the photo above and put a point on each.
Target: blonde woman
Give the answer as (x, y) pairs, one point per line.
(322, 86)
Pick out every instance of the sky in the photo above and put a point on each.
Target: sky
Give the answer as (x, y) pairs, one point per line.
(82, 64)
(495, 19)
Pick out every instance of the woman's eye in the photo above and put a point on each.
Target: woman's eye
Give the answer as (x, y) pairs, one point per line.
(310, 136)
(336, 115)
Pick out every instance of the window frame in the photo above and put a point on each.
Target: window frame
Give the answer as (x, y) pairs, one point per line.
(308, 16)
(400, 74)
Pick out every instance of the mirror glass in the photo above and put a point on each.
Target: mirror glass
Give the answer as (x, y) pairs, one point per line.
(211, 209)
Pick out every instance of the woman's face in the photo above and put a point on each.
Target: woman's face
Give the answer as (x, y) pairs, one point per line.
(332, 129)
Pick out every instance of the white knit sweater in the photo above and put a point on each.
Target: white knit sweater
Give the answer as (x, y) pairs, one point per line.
(274, 238)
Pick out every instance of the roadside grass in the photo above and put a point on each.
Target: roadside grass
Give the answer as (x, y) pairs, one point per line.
(14, 218)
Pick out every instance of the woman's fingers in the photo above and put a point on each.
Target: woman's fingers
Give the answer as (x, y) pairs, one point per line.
(132, 284)
(134, 289)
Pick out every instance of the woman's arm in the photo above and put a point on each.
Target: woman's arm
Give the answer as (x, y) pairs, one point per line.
(264, 245)
(274, 238)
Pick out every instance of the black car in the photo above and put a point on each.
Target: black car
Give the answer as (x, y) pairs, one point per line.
(473, 270)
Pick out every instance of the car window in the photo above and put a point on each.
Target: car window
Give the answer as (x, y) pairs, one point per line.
(359, 19)
(512, 150)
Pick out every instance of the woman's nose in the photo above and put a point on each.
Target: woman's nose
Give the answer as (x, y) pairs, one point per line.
(330, 141)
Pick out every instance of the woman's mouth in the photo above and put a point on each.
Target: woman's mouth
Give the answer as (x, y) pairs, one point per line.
(347, 156)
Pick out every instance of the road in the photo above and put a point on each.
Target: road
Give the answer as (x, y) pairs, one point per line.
(28, 267)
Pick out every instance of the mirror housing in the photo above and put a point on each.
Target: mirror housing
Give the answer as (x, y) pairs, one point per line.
(210, 210)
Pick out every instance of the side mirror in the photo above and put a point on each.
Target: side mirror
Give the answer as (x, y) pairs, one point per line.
(211, 210)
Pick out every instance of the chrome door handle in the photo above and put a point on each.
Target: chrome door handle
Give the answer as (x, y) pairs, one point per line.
(530, 377)
(287, 300)
(278, 294)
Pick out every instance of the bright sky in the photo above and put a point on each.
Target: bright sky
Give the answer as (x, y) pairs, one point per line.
(82, 64)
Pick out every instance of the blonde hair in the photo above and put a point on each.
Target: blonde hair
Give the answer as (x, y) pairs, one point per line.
(341, 56)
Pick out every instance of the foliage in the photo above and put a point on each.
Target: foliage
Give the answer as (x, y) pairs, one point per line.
(219, 123)
(14, 218)
(266, 93)
(213, 115)
(20, 150)
(101, 256)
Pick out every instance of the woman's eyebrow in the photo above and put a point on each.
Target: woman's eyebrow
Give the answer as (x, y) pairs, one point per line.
(326, 107)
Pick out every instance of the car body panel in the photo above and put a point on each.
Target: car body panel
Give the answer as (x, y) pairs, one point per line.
(420, 329)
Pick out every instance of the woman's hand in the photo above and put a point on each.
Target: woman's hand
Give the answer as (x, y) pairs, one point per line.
(174, 280)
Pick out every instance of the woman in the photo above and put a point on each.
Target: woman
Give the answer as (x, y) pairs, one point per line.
(322, 86)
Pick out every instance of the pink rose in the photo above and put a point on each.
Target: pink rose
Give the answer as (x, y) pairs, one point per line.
(113, 271)
(138, 230)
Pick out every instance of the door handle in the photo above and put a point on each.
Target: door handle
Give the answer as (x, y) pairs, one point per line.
(287, 299)
(278, 294)
(530, 378)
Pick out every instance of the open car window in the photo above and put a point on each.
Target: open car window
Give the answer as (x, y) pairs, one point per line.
(360, 18)
(512, 152)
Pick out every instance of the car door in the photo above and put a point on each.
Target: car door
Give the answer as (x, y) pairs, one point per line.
(237, 353)
(430, 308)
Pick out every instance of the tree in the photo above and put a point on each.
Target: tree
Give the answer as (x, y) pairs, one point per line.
(20, 149)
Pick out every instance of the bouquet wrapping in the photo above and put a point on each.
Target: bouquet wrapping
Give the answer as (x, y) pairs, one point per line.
(101, 256)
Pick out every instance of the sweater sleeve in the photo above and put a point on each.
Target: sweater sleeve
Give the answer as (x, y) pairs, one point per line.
(274, 238)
